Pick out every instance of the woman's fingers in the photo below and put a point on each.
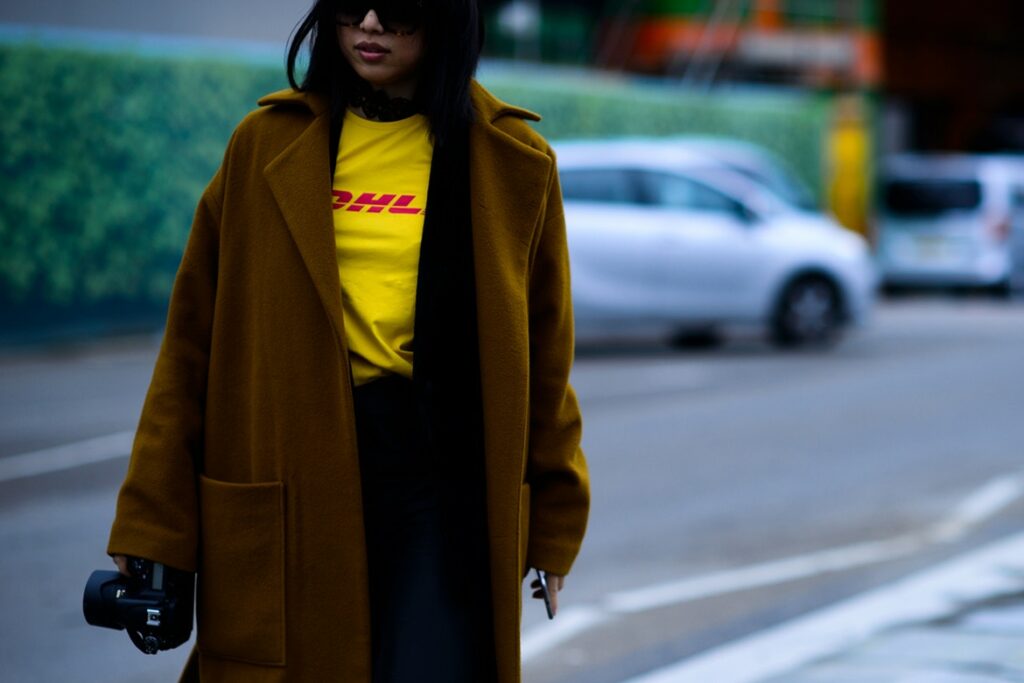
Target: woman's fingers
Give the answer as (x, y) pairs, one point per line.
(122, 564)
(555, 584)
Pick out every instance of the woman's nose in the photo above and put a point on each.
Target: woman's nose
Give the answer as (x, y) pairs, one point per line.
(371, 23)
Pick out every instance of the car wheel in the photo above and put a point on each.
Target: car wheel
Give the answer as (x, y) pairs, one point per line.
(808, 314)
(1001, 290)
(697, 340)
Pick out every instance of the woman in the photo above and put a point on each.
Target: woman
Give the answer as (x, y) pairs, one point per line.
(359, 431)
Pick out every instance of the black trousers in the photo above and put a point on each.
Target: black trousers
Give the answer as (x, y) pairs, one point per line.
(430, 601)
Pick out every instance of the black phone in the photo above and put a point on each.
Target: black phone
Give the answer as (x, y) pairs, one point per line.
(543, 580)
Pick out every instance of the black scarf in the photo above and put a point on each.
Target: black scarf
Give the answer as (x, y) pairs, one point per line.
(446, 365)
(446, 376)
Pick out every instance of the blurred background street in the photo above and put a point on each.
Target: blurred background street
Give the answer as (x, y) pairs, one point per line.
(796, 230)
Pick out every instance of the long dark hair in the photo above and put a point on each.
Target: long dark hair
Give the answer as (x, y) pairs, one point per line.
(453, 40)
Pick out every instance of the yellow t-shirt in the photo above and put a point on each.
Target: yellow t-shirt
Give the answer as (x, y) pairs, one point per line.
(380, 199)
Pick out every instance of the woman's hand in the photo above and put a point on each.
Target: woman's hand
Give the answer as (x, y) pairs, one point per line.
(122, 564)
(555, 583)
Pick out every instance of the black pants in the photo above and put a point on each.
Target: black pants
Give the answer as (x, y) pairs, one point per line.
(430, 602)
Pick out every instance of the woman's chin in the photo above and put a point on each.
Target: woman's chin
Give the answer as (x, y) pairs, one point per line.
(377, 75)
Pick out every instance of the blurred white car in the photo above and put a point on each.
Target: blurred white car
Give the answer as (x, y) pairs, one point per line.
(667, 241)
(951, 221)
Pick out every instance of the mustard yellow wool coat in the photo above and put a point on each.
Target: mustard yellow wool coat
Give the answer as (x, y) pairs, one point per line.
(244, 466)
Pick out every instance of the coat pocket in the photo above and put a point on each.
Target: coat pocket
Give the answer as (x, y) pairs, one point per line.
(524, 528)
(240, 602)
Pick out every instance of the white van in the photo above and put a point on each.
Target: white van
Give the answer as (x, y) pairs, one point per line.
(949, 220)
(1017, 241)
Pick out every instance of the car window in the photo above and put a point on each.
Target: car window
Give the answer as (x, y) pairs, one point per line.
(928, 197)
(786, 186)
(678, 192)
(1017, 198)
(598, 185)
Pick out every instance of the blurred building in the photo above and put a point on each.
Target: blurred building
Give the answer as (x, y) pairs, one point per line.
(806, 42)
(953, 75)
(948, 69)
(831, 43)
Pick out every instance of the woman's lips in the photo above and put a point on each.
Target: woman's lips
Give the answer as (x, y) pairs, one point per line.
(371, 52)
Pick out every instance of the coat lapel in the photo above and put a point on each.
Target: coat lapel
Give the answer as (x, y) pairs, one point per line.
(299, 179)
(508, 183)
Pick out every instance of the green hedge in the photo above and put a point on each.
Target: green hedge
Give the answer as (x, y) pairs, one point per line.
(104, 158)
(105, 154)
(578, 105)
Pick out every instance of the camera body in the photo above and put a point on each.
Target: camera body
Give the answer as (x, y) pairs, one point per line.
(154, 604)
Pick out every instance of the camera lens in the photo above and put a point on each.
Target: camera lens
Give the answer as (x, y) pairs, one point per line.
(100, 600)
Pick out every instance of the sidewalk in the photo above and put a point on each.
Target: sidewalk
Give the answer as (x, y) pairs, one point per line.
(961, 621)
(982, 644)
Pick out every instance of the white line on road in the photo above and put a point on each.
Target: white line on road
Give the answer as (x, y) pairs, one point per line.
(993, 570)
(766, 574)
(979, 506)
(568, 624)
(66, 457)
(982, 504)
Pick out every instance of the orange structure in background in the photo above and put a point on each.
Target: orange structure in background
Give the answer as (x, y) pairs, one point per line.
(766, 43)
(766, 15)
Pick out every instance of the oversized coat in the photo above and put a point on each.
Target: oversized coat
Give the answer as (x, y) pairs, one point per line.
(244, 466)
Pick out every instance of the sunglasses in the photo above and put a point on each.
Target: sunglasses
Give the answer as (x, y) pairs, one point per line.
(401, 17)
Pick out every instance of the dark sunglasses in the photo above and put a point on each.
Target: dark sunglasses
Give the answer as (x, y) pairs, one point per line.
(401, 17)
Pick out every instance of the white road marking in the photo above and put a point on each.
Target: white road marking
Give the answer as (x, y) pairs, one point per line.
(66, 457)
(766, 574)
(979, 506)
(566, 625)
(995, 569)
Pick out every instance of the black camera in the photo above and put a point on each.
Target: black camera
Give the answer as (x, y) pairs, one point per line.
(154, 604)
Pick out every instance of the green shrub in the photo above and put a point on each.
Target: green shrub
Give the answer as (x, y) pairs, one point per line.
(792, 125)
(104, 158)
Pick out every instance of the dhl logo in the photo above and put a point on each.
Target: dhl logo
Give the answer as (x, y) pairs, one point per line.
(374, 203)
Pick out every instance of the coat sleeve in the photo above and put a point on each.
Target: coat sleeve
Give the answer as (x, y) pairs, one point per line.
(157, 508)
(556, 467)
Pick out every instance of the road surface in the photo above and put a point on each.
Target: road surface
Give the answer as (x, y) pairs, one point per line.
(732, 489)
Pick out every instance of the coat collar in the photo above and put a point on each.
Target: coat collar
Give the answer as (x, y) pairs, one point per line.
(489, 107)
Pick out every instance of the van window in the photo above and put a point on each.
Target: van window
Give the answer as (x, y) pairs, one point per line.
(1017, 199)
(932, 196)
(598, 185)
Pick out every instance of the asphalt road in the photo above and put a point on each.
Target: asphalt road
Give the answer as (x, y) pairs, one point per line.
(702, 463)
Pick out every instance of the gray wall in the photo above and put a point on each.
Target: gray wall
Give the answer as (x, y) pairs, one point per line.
(258, 20)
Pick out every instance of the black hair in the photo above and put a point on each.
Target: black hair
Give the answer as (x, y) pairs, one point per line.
(453, 41)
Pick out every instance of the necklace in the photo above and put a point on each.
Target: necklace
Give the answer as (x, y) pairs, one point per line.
(377, 104)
